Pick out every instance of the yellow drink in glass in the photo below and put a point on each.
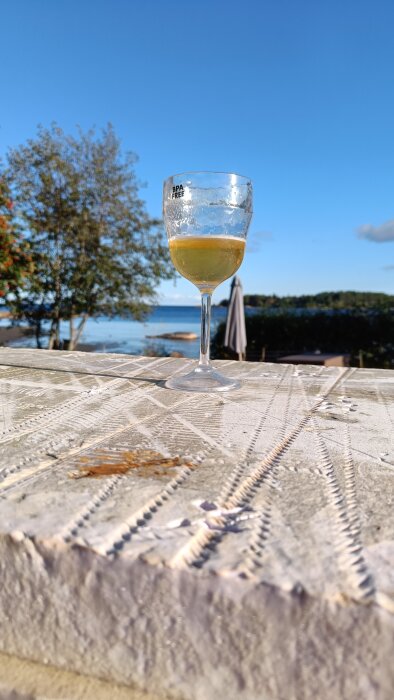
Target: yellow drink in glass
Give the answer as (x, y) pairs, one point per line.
(207, 216)
(206, 261)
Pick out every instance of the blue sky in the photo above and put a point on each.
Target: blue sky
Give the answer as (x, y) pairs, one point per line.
(296, 94)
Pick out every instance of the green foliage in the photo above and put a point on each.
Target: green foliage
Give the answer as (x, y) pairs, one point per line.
(371, 332)
(325, 300)
(343, 322)
(15, 259)
(94, 247)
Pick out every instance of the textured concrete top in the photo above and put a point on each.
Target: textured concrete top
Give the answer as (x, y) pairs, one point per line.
(286, 483)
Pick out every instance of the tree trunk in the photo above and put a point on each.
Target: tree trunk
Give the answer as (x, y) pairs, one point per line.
(52, 335)
(38, 333)
(76, 334)
(71, 341)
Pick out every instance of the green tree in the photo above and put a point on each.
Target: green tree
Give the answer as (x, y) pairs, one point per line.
(345, 300)
(15, 259)
(94, 247)
(370, 332)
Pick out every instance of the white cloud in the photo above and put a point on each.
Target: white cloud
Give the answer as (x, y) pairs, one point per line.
(378, 234)
(255, 240)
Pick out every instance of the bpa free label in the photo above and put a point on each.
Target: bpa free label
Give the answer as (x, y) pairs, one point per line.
(177, 192)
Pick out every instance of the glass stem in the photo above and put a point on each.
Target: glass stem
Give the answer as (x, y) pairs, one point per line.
(205, 329)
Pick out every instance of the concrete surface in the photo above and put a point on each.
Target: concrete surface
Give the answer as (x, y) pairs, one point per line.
(26, 680)
(238, 546)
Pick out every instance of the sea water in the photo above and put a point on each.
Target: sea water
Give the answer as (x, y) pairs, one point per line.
(124, 335)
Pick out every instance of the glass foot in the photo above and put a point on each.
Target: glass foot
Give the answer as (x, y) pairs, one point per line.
(202, 378)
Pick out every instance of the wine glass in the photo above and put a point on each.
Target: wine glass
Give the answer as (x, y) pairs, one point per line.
(207, 216)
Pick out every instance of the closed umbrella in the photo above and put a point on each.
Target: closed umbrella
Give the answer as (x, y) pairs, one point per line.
(235, 335)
